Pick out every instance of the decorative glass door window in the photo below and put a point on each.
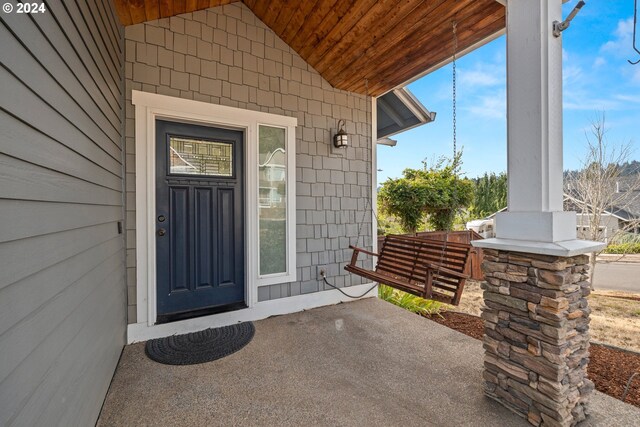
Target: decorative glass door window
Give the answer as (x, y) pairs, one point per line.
(200, 157)
(272, 199)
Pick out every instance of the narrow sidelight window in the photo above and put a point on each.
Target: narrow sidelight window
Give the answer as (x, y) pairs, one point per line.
(272, 199)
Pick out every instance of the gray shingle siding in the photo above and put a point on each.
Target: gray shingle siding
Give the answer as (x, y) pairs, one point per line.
(227, 56)
(62, 284)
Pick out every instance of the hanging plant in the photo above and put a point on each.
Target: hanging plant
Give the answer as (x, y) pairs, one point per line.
(433, 194)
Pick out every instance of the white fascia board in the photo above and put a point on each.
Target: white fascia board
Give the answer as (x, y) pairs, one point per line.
(413, 104)
(406, 129)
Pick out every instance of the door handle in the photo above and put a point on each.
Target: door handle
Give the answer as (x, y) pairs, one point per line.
(162, 232)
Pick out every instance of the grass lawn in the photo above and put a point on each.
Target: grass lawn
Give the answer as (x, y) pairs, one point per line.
(615, 320)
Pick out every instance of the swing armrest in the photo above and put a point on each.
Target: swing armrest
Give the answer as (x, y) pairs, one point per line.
(445, 270)
(357, 249)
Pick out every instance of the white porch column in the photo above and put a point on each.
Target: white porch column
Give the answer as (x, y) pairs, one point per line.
(535, 221)
(536, 314)
(534, 125)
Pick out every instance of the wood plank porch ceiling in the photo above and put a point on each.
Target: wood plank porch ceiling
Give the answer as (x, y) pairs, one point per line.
(362, 46)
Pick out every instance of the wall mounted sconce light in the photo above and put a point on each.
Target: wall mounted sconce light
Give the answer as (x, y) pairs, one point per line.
(341, 139)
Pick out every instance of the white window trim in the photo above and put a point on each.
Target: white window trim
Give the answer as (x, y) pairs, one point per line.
(148, 108)
(290, 178)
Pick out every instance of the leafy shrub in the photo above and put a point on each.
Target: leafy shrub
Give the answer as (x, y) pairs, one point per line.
(626, 237)
(434, 194)
(409, 302)
(623, 248)
(388, 224)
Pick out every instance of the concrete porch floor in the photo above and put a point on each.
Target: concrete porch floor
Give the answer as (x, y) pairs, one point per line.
(360, 363)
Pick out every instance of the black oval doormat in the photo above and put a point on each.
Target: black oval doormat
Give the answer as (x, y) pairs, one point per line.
(200, 347)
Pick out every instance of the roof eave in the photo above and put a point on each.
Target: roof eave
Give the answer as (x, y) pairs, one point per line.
(447, 61)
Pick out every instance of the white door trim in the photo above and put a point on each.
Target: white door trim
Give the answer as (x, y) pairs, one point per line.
(148, 108)
(374, 173)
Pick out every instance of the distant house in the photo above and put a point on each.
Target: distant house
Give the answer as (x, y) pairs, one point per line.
(272, 176)
(621, 216)
(631, 212)
(613, 220)
(483, 227)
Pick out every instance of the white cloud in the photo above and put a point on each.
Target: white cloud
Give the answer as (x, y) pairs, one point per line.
(628, 98)
(478, 78)
(482, 75)
(599, 62)
(499, 56)
(584, 91)
(583, 96)
(491, 106)
(622, 41)
(636, 74)
(591, 104)
(571, 74)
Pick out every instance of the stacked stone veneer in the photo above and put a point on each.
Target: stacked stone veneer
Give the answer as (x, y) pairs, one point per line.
(537, 335)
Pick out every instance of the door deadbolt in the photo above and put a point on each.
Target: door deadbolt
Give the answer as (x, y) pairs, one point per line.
(162, 232)
(161, 218)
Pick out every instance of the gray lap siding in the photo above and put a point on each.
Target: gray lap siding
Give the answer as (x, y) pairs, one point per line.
(62, 270)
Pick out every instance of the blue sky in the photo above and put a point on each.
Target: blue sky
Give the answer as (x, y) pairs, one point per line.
(596, 76)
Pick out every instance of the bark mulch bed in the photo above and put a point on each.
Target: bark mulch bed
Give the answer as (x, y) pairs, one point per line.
(609, 368)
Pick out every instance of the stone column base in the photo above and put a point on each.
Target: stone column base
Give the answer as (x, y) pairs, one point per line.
(536, 341)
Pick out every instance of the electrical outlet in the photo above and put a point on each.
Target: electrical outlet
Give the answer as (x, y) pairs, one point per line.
(320, 270)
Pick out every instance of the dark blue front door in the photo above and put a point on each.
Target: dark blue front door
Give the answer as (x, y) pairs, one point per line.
(199, 220)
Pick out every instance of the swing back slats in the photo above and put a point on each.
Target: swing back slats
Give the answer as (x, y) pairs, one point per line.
(427, 268)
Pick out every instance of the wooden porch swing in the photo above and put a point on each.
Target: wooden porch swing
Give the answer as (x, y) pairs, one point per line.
(427, 268)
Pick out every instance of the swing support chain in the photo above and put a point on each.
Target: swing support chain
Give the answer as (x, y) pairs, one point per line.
(440, 268)
(454, 30)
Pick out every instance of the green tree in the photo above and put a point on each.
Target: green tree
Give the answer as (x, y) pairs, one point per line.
(434, 194)
(388, 224)
(490, 194)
